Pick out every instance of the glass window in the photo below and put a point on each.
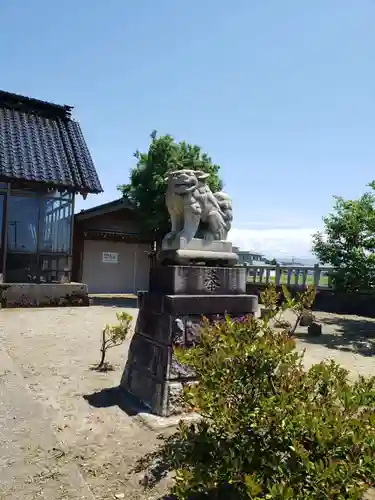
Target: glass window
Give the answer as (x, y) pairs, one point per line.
(3, 185)
(39, 228)
(2, 213)
(23, 218)
(56, 219)
(55, 269)
(21, 268)
(67, 195)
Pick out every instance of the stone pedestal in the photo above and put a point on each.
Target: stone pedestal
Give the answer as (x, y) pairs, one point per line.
(170, 315)
(198, 252)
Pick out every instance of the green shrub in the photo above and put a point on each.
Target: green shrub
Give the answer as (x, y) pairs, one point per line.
(274, 309)
(269, 428)
(113, 336)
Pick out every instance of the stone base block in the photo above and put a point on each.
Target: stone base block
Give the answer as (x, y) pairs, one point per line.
(198, 244)
(152, 373)
(162, 398)
(177, 280)
(186, 257)
(45, 295)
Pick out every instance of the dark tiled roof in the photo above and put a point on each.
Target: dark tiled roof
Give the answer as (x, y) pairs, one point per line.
(40, 142)
(105, 208)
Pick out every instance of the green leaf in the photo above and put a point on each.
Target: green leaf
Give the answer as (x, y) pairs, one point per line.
(253, 488)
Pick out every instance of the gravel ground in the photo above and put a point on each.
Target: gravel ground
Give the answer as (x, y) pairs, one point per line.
(54, 349)
(349, 340)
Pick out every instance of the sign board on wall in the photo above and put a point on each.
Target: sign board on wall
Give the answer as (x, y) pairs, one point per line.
(110, 257)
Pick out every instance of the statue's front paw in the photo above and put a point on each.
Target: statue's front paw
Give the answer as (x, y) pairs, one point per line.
(167, 240)
(208, 236)
(169, 236)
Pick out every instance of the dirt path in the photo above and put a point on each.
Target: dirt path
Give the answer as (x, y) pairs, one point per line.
(33, 465)
(54, 348)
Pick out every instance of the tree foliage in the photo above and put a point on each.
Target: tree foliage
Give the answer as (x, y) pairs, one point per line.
(348, 242)
(147, 186)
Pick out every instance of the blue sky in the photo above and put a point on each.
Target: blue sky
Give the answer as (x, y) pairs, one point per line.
(279, 93)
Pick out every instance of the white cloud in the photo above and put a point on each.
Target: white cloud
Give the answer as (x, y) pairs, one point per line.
(277, 242)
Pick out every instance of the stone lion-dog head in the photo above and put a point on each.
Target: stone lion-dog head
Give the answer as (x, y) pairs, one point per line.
(182, 182)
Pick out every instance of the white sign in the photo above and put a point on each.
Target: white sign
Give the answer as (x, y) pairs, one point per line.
(110, 257)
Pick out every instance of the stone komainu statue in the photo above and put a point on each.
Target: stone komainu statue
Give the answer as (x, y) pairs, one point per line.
(190, 202)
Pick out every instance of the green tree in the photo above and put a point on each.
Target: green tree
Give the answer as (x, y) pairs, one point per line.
(147, 186)
(348, 242)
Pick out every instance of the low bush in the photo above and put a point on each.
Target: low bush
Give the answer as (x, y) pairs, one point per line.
(276, 303)
(269, 428)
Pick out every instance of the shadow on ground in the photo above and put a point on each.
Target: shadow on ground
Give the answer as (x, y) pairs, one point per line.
(347, 334)
(128, 303)
(115, 396)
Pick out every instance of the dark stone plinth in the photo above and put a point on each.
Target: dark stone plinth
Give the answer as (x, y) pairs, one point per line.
(152, 373)
(166, 320)
(177, 280)
(197, 304)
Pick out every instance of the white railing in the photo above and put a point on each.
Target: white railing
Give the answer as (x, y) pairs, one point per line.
(295, 276)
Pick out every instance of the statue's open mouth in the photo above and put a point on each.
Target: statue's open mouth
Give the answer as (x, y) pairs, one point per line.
(188, 182)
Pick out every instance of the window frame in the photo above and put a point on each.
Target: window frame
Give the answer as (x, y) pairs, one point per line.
(65, 199)
(63, 205)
